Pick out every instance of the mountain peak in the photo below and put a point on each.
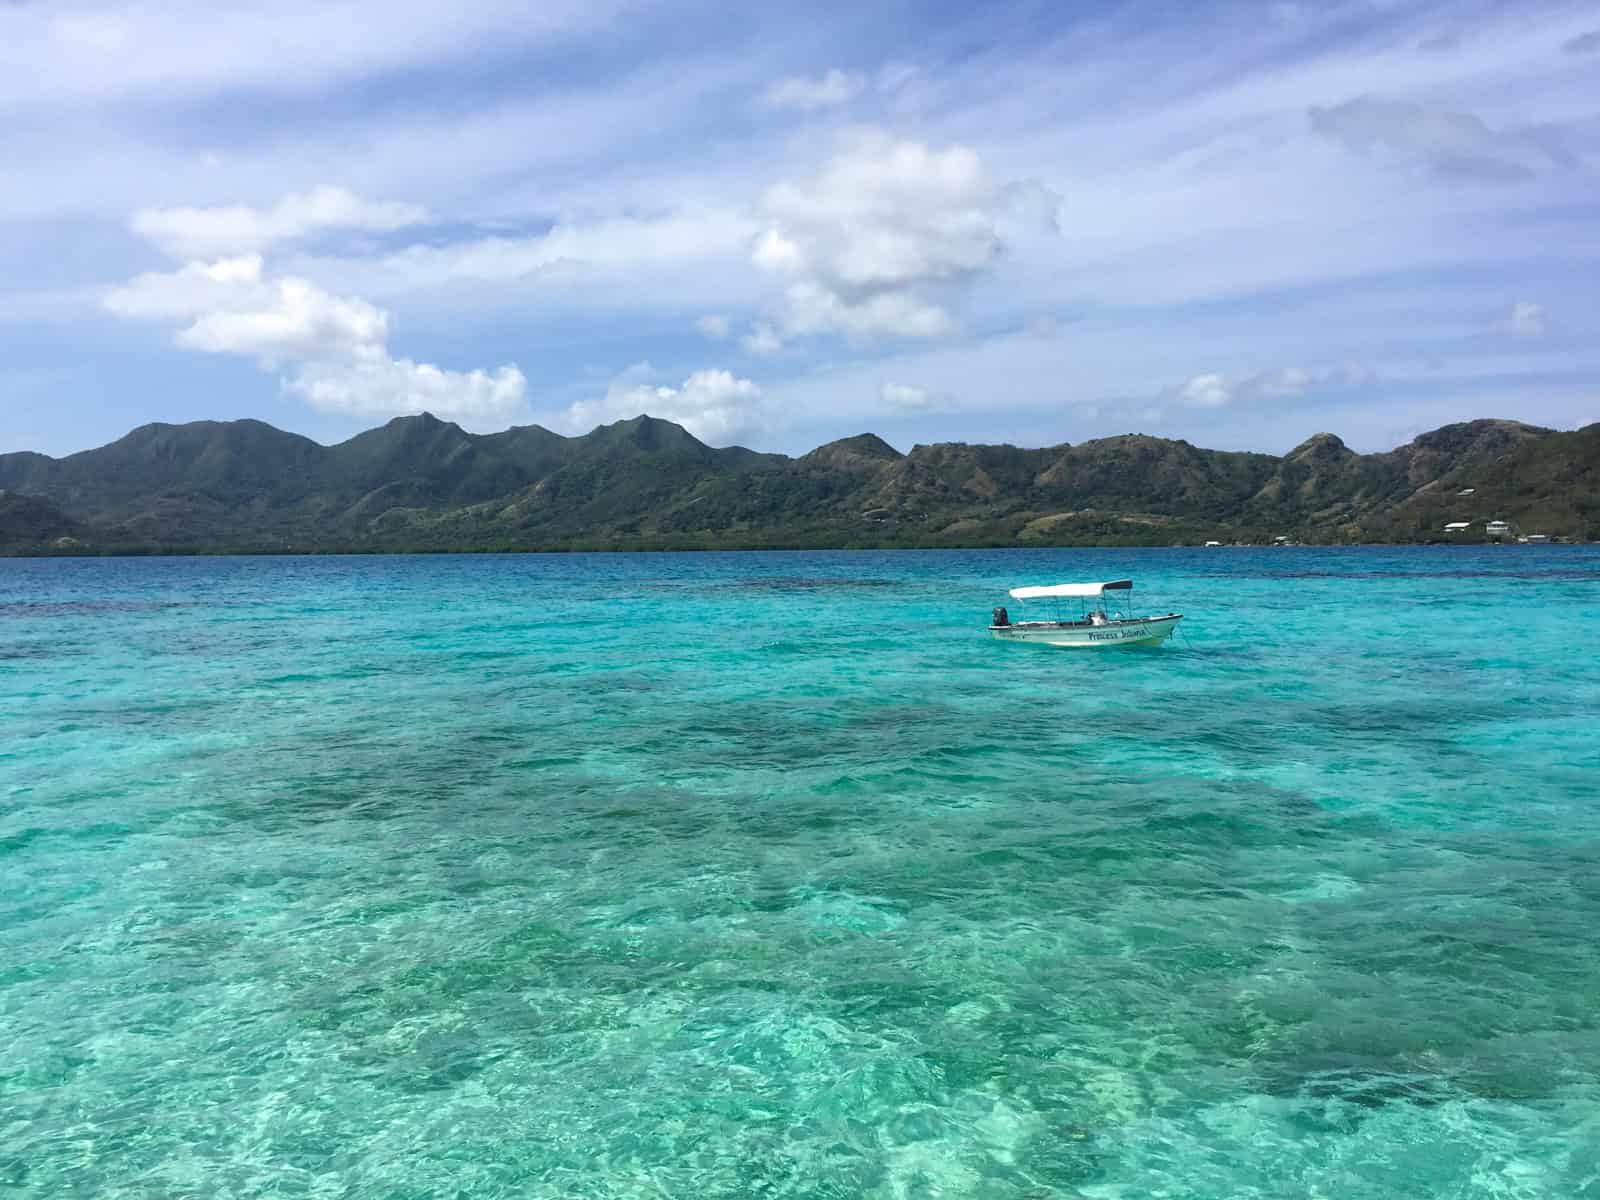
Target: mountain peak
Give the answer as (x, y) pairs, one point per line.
(530, 431)
(649, 433)
(419, 482)
(421, 420)
(1487, 431)
(1319, 448)
(861, 450)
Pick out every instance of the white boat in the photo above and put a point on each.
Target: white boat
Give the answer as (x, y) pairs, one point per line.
(1093, 625)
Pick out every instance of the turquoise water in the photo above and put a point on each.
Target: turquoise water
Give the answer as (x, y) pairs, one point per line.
(769, 875)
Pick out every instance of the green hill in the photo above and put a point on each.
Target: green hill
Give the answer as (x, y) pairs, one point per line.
(31, 525)
(418, 483)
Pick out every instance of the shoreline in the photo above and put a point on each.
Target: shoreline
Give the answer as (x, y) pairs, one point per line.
(33, 555)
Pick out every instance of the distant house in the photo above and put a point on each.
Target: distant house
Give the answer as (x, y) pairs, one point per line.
(1466, 491)
(1498, 529)
(1457, 526)
(1536, 539)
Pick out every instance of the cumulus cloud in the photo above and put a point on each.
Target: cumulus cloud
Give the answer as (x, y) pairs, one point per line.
(190, 290)
(774, 252)
(714, 405)
(836, 87)
(330, 350)
(373, 385)
(1205, 391)
(1216, 390)
(232, 307)
(883, 224)
(1525, 320)
(885, 214)
(713, 326)
(1454, 146)
(907, 397)
(812, 307)
(207, 232)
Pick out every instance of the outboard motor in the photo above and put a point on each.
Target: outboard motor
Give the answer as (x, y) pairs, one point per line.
(1001, 617)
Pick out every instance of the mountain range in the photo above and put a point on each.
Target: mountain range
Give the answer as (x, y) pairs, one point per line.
(422, 484)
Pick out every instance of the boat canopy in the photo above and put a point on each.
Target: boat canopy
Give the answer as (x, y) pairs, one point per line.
(1070, 589)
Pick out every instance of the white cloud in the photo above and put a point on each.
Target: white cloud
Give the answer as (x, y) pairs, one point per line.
(810, 307)
(886, 213)
(1191, 179)
(233, 307)
(206, 232)
(187, 48)
(331, 350)
(884, 223)
(191, 290)
(1205, 391)
(763, 340)
(376, 385)
(714, 405)
(836, 87)
(287, 320)
(774, 252)
(1286, 381)
(1455, 146)
(713, 326)
(1525, 320)
(1216, 390)
(611, 249)
(908, 397)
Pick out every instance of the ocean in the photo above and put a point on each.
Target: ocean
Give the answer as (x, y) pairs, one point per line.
(772, 875)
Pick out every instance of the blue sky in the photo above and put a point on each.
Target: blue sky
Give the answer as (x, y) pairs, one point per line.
(1234, 223)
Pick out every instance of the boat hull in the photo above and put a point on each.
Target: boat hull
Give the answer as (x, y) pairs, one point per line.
(1145, 631)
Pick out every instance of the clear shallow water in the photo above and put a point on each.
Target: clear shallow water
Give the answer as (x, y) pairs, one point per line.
(767, 875)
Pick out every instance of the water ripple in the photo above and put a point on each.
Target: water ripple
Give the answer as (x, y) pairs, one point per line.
(769, 875)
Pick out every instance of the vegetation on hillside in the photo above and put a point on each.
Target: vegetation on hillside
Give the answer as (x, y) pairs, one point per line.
(418, 483)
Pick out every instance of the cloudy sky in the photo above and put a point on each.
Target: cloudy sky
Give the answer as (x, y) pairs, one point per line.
(1238, 223)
